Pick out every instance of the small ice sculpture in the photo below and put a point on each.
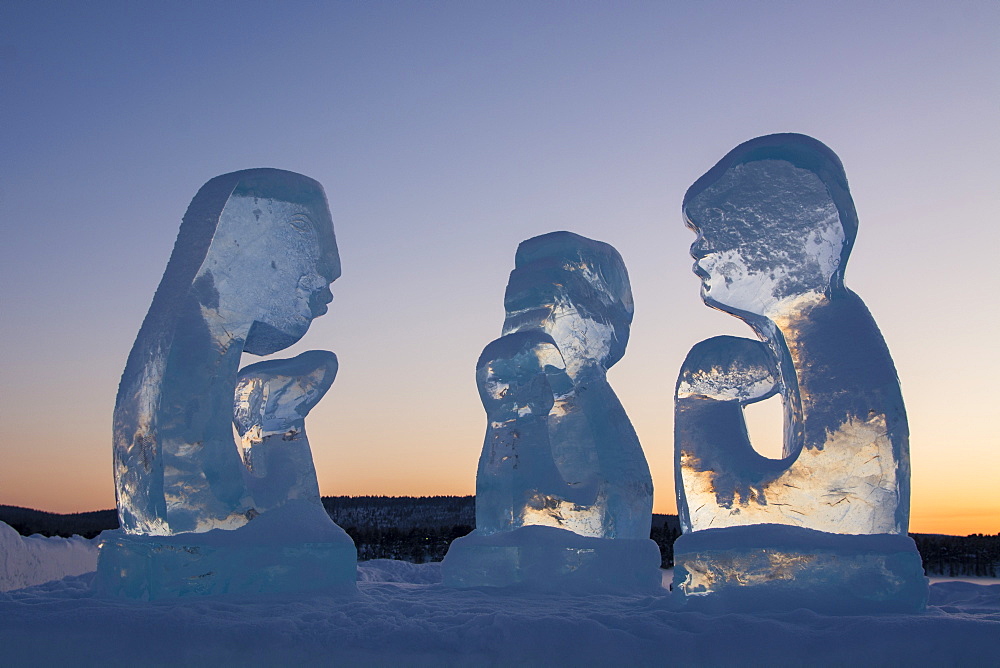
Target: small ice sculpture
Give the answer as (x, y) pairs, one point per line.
(775, 224)
(563, 491)
(518, 482)
(251, 268)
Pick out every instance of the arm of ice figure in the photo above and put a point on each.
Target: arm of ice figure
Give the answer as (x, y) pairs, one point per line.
(728, 369)
(271, 403)
(274, 396)
(713, 452)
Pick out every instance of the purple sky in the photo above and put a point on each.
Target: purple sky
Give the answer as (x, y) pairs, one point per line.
(446, 133)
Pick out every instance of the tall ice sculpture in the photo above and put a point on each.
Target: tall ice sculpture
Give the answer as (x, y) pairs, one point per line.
(563, 493)
(200, 514)
(824, 527)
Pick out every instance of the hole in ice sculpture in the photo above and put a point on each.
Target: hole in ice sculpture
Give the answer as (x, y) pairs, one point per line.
(765, 425)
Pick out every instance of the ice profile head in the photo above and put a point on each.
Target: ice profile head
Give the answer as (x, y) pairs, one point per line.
(775, 224)
(256, 252)
(273, 258)
(576, 290)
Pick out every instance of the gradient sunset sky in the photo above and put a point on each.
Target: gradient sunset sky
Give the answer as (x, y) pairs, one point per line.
(447, 132)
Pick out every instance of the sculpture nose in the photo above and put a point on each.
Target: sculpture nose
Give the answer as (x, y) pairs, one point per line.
(699, 248)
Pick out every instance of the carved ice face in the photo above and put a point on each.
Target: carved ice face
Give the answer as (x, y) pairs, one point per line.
(272, 265)
(768, 234)
(577, 291)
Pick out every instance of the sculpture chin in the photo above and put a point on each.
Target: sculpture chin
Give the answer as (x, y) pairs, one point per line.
(264, 339)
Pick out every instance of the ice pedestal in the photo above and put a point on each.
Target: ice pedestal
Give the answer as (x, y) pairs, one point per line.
(292, 548)
(779, 567)
(551, 559)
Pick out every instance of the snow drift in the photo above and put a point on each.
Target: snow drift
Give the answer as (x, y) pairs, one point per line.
(32, 560)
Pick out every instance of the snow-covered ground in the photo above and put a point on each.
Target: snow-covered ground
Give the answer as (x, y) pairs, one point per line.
(402, 615)
(32, 560)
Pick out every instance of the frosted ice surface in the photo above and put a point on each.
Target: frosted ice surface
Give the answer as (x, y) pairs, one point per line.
(573, 460)
(250, 269)
(292, 548)
(272, 401)
(775, 225)
(781, 567)
(563, 493)
(824, 527)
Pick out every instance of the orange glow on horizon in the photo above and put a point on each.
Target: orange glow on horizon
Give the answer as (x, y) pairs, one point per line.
(956, 521)
(926, 515)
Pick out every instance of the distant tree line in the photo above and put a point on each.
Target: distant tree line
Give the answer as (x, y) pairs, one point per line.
(950, 556)
(420, 529)
(664, 534)
(418, 545)
(415, 529)
(26, 522)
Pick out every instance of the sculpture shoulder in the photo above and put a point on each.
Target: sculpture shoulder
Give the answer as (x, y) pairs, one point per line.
(843, 338)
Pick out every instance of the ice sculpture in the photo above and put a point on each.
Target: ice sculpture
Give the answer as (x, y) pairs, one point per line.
(250, 269)
(775, 224)
(563, 492)
(518, 482)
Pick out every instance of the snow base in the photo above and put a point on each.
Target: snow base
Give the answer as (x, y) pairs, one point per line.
(32, 560)
(391, 622)
(551, 559)
(264, 556)
(775, 567)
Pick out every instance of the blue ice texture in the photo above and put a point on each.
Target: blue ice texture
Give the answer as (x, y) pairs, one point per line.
(272, 400)
(563, 492)
(250, 269)
(775, 224)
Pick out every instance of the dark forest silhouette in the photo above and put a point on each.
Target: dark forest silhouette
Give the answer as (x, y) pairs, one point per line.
(419, 529)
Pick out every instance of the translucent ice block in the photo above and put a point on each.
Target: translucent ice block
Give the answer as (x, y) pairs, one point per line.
(561, 463)
(272, 401)
(775, 225)
(824, 526)
(779, 567)
(250, 270)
